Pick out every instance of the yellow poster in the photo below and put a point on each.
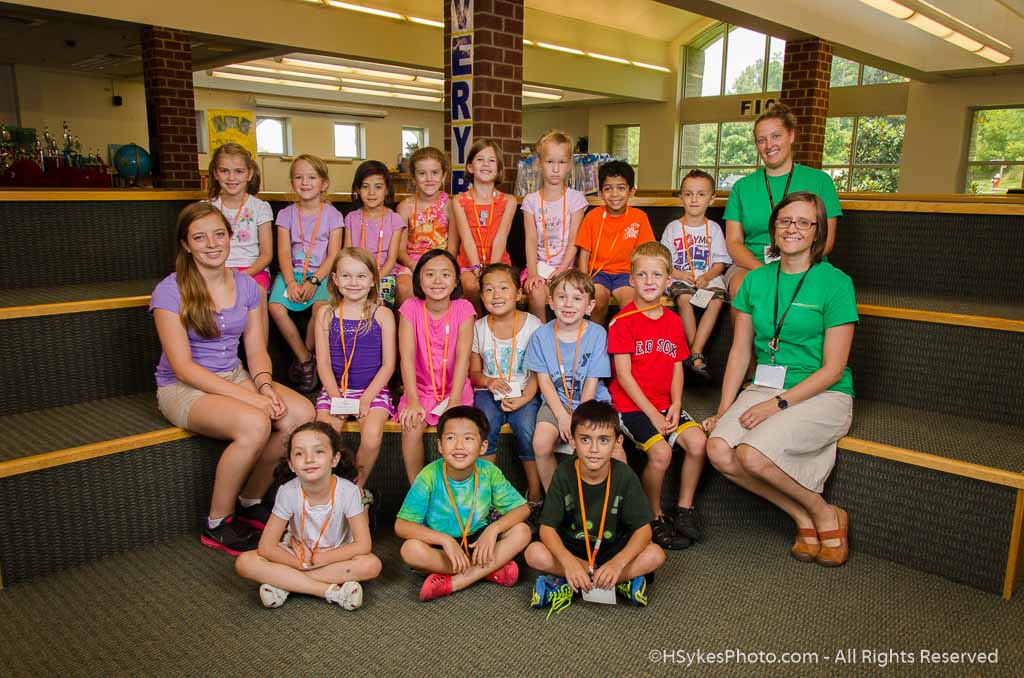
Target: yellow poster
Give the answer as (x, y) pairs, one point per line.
(226, 126)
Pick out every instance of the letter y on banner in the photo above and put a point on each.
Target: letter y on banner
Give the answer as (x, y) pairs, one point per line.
(462, 90)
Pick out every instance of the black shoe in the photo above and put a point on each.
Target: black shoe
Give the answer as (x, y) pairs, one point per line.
(534, 520)
(687, 523)
(664, 536)
(230, 536)
(255, 516)
(701, 370)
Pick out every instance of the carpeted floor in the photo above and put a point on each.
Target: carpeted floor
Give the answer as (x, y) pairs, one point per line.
(179, 609)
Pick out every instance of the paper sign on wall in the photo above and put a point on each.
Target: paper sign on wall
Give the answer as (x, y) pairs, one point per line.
(226, 126)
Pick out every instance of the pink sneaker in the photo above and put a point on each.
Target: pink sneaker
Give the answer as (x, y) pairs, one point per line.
(507, 575)
(436, 586)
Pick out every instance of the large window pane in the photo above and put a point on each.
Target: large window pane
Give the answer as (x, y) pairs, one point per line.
(744, 70)
(704, 65)
(699, 144)
(875, 179)
(840, 177)
(844, 72)
(879, 141)
(346, 140)
(730, 176)
(994, 178)
(876, 76)
(737, 145)
(270, 136)
(412, 139)
(997, 135)
(776, 59)
(625, 143)
(838, 138)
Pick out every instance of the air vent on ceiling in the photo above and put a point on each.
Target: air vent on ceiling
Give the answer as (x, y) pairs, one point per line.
(103, 62)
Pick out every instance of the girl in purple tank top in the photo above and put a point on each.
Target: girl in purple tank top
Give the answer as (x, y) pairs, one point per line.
(358, 336)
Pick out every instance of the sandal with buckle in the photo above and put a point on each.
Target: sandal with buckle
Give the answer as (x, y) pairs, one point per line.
(805, 551)
(834, 556)
(701, 370)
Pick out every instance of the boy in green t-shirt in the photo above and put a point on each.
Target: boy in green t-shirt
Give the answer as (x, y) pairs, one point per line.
(595, 525)
(444, 516)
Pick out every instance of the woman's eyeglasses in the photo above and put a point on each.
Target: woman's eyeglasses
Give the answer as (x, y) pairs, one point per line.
(802, 224)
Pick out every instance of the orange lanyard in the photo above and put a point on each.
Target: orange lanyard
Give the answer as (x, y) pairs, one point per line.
(494, 343)
(323, 528)
(592, 554)
(544, 224)
(463, 527)
(238, 215)
(633, 312)
(302, 236)
(345, 355)
(707, 241)
(430, 353)
(561, 368)
(380, 233)
(600, 234)
(486, 251)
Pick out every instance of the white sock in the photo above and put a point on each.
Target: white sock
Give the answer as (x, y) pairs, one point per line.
(213, 523)
(248, 503)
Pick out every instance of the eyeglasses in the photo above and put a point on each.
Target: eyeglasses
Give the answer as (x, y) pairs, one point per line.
(802, 224)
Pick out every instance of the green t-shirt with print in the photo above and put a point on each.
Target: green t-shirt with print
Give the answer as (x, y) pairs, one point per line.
(826, 300)
(749, 203)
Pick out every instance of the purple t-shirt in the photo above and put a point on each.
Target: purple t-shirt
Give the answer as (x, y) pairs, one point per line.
(330, 220)
(219, 354)
(557, 232)
(378, 232)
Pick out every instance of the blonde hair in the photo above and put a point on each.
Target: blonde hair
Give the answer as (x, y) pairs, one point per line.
(318, 165)
(479, 145)
(365, 258)
(572, 278)
(196, 308)
(554, 136)
(231, 148)
(653, 250)
(427, 153)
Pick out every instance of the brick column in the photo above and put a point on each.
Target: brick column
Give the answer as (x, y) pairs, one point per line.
(170, 107)
(805, 76)
(496, 104)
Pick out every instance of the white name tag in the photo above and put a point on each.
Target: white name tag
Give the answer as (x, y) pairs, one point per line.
(515, 392)
(564, 448)
(768, 258)
(772, 376)
(701, 298)
(544, 269)
(344, 406)
(603, 596)
(440, 407)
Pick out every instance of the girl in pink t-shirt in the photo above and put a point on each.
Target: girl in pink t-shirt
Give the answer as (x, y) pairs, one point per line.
(435, 337)
(372, 225)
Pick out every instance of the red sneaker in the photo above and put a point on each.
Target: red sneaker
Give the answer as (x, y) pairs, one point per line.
(507, 575)
(436, 586)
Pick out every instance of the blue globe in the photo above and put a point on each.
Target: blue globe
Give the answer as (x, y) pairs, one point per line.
(132, 162)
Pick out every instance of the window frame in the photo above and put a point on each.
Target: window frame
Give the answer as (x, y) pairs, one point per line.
(611, 135)
(860, 76)
(424, 135)
(716, 168)
(360, 139)
(851, 165)
(968, 163)
(707, 37)
(286, 135)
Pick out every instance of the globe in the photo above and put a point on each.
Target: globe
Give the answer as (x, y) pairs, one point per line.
(132, 162)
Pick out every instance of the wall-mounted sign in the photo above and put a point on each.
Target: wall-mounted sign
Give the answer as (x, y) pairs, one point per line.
(461, 102)
(755, 107)
(237, 126)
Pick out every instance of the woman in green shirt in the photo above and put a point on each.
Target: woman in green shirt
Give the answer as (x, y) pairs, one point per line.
(753, 198)
(778, 437)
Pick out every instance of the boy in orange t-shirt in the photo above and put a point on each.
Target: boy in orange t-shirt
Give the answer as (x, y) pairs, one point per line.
(608, 236)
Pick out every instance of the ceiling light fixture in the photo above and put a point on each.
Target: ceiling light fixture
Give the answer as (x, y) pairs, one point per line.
(542, 95)
(366, 10)
(893, 9)
(316, 65)
(560, 48)
(384, 74)
(605, 57)
(430, 81)
(396, 95)
(356, 81)
(426, 22)
(652, 67)
(299, 74)
(272, 81)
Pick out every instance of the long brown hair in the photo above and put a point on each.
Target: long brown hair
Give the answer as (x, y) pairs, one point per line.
(231, 148)
(365, 258)
(196, 310)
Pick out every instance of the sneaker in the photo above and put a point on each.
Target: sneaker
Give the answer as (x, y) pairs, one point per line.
(436, 586)
(553, 592)
(369, 499)
(534, 520)
(664, 535)
(230, 537)
(309, 379)
(506, 575)
(348, 595)
(255, 516)
(686, 522)
(635, 590)
(271, 596)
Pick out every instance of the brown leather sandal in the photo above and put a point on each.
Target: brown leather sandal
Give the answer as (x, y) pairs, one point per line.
(834, 556)
(802, 550)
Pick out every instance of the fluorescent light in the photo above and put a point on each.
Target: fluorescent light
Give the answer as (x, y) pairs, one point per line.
(273, 81)
(356, 81)
(961, 40)
(993, 55)
(426, 22)
(366, 10)
(415, 97)
(300, 74)
(929, 25)
(605, 57)
(527, 42)
(542, 95)
(559, 48)
(384, 74)
(429, 81)
(652, 67)
(891, 8)
(398, 95)
(316, 65)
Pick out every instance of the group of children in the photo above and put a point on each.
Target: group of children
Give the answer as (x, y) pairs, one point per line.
(442, 262)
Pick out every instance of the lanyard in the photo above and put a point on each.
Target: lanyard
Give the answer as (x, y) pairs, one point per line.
(544, 224)
(634, 311)
(569, 390)
(345, 355)
(707, 240)
(785, 191)
(430, 353)
(485, 252)
(592, 554)
(597, 247)
(773, 345)
(463, 527)
(323, 528)
(238, 215)
(380, 233)
(302, 236)
(415, 206)
(494, 343)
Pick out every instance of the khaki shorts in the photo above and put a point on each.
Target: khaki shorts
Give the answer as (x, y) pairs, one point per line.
(800, 440)
(732, 272)
(175, 400)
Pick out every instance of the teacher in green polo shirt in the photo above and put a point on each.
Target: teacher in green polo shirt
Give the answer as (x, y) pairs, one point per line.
(753, 198)
(777, 438)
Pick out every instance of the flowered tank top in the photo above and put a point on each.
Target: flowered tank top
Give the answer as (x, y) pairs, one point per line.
(429, 228)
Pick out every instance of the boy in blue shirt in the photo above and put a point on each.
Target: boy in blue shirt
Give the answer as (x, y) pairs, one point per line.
(444, 518)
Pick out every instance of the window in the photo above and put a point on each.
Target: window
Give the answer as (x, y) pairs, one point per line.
(995, 159)
(733, 60)
(624, 142)
(348, 140)
(726, 150)
(846, 73)
(412, 139)
(863, 154)
(271, 136)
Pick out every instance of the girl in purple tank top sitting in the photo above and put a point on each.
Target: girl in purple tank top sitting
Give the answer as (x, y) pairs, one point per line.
(358, 334)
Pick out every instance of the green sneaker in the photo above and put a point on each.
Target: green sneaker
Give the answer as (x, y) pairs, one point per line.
(551, 591)
(635, 590)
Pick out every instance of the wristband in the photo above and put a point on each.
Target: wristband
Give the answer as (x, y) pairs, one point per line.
(260, 388)
(260, 374)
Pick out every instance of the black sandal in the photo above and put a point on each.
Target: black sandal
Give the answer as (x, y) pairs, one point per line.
(701, 370)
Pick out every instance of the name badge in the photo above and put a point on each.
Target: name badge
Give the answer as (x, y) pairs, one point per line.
(701, 298)
(344, 406)
(768, 258)
(603, 596)
(515, 392)
(564, 448)
(772, 376)
(440, 407)
(545, 270)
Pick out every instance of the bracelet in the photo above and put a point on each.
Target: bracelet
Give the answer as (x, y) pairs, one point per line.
(260, 388)
(259, 374)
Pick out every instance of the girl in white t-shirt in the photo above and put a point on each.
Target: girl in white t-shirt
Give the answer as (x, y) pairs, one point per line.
(551, 218)
(317, 540)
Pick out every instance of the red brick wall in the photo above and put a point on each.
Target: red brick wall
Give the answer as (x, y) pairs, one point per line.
(170, 107)
(805, 75)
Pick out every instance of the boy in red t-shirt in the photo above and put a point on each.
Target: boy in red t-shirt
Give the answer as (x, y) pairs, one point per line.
(608, 236)
(647, 343)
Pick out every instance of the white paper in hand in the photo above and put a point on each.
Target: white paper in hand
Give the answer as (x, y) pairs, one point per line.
(344, 406)
(701, 298)
(514, 392)
(545, 270)
(603, 596)
(440, 407)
